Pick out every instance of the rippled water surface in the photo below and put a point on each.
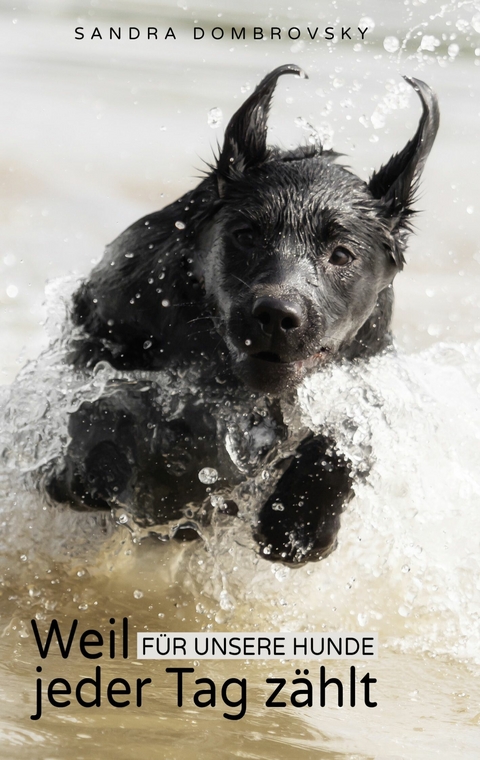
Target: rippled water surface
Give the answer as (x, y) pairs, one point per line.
(100, 133)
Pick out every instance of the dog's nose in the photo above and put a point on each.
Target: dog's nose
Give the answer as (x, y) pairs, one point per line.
(275, 315)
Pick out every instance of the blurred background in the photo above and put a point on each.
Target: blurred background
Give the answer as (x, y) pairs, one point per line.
(97, 132)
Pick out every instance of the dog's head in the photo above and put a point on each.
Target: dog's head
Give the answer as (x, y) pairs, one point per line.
(299, 258)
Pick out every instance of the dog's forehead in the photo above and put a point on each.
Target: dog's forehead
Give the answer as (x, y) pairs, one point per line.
(303, 191)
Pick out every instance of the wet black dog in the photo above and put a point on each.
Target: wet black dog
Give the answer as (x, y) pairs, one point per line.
(278, 262)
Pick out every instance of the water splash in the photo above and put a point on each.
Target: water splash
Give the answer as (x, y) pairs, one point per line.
(407, 563)
(215, 118)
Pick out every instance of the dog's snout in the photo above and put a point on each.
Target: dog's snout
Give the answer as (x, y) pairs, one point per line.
(275, 314)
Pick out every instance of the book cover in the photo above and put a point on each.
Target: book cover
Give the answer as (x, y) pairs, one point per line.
(111, 111)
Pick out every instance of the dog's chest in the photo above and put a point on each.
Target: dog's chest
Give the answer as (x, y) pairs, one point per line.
(232, 431)
(198, 438)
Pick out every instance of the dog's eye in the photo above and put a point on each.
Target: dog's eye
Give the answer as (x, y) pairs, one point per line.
(243, 236)
(341, 257)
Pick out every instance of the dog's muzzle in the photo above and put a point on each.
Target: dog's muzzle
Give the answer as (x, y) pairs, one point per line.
(270, 337)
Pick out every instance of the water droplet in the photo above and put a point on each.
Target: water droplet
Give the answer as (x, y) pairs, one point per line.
(226, 601)
(476, 22)
(367, 21)
(180, 225)
(378, 120)
(123, 518)
(12, 291)
(391, 44)
(267, 550)
(147, 344)
(281, 572)
(137, 594)
(313, 132)
(429, 43)
(208, 475)
(405, 569)
(214, 118)
(277, 506)
(166, 303)
(9, 259)
(453, 50)
(248, 342)
(129, 255)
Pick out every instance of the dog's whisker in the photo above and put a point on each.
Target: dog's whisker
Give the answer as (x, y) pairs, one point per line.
(197, 319)
(249, 287)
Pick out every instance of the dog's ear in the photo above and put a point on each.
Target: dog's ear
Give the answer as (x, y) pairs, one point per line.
(395, 183)
(245, 142)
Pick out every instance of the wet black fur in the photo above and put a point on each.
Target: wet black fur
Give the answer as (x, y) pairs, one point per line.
(278, 262)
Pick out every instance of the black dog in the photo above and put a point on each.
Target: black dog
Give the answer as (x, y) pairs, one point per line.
(278, 262)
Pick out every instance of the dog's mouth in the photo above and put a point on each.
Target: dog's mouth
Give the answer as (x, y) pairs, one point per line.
(269, 372)
(273, 358)
(269, 356)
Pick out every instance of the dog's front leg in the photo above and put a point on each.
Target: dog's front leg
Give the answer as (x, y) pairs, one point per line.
(123, 452)
(300, 521)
